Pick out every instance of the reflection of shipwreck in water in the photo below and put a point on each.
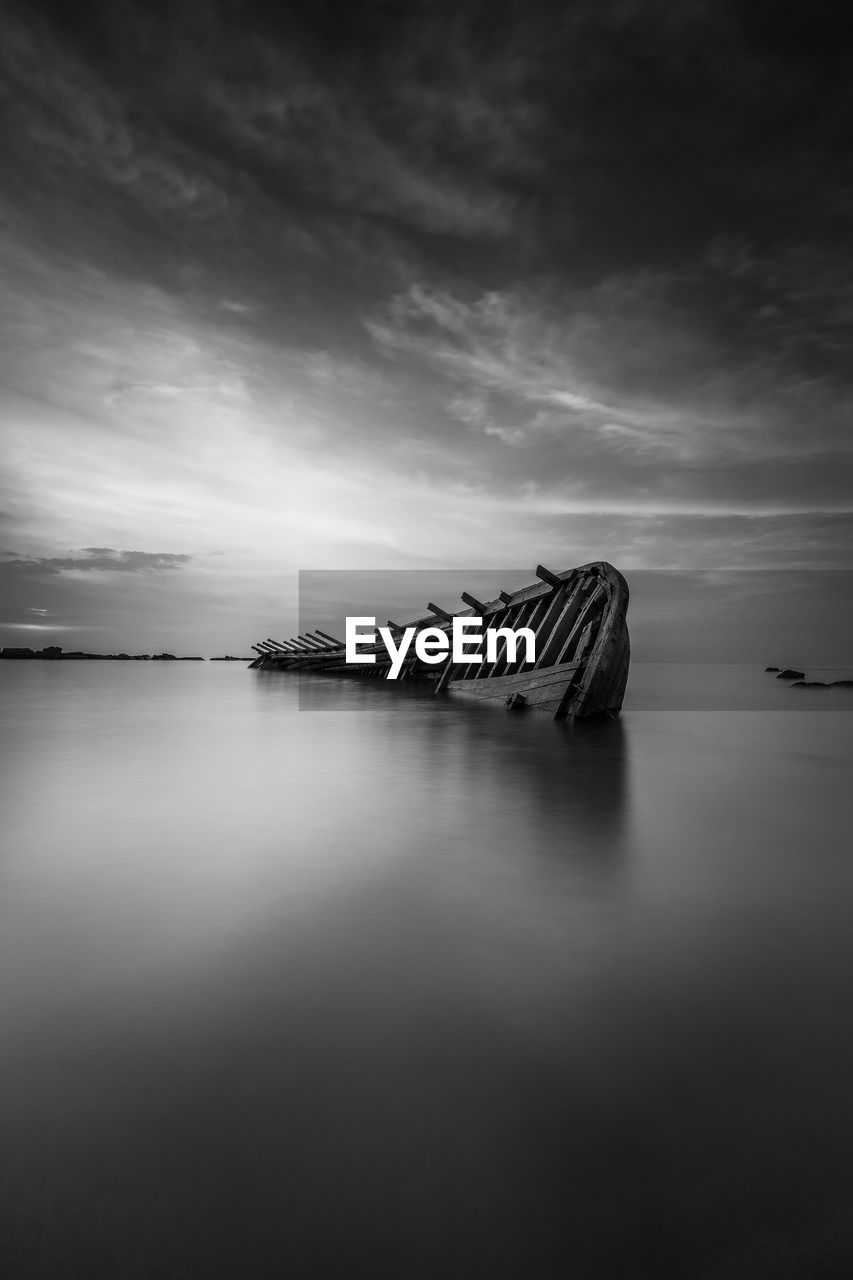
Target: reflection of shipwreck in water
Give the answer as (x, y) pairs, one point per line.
(581, 658)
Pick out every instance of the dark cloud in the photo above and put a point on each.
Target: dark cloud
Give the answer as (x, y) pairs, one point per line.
(97, 558)
(499, 140)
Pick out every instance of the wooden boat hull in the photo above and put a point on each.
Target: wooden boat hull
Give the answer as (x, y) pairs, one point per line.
(583, 625)
(583, 651)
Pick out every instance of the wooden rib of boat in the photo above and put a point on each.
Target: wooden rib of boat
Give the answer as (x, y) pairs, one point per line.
(582, 647)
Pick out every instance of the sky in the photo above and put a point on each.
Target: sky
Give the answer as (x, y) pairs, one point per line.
(412, 286)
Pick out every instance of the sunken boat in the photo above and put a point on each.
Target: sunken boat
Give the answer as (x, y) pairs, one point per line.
(581, 652)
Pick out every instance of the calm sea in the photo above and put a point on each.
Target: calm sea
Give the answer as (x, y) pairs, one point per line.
(386, 988)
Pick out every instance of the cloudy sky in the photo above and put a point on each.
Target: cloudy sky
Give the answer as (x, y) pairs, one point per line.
(400, 285)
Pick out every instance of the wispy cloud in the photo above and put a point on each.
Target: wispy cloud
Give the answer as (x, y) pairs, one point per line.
(344, 159)
(502, 346)
(595, 375)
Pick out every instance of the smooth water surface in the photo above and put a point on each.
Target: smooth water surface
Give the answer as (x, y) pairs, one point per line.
(424, 991)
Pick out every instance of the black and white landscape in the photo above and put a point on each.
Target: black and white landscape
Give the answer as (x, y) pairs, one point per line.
(321, 978)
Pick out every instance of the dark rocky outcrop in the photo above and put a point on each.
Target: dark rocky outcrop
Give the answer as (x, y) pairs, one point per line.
(191, 659)
(822, 684)
(771, 668)
(788, 674)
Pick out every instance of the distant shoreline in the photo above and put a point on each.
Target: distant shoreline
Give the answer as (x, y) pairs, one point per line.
(53, 653)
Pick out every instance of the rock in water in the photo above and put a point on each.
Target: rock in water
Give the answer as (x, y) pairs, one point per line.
(788, 674)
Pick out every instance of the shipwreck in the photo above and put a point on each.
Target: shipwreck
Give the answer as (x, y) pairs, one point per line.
(582, 648)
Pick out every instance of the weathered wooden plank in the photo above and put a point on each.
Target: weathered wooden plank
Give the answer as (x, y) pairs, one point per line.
(507, 619)
(606, 668)
(584, 644)
(594, 603)
(537, 611)
(439, 613)
(550, 651)
(331, 639)
(326, 645)
(553, 579)
(526, 617)
(496, 686)
(553, 607)
(501, 666)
